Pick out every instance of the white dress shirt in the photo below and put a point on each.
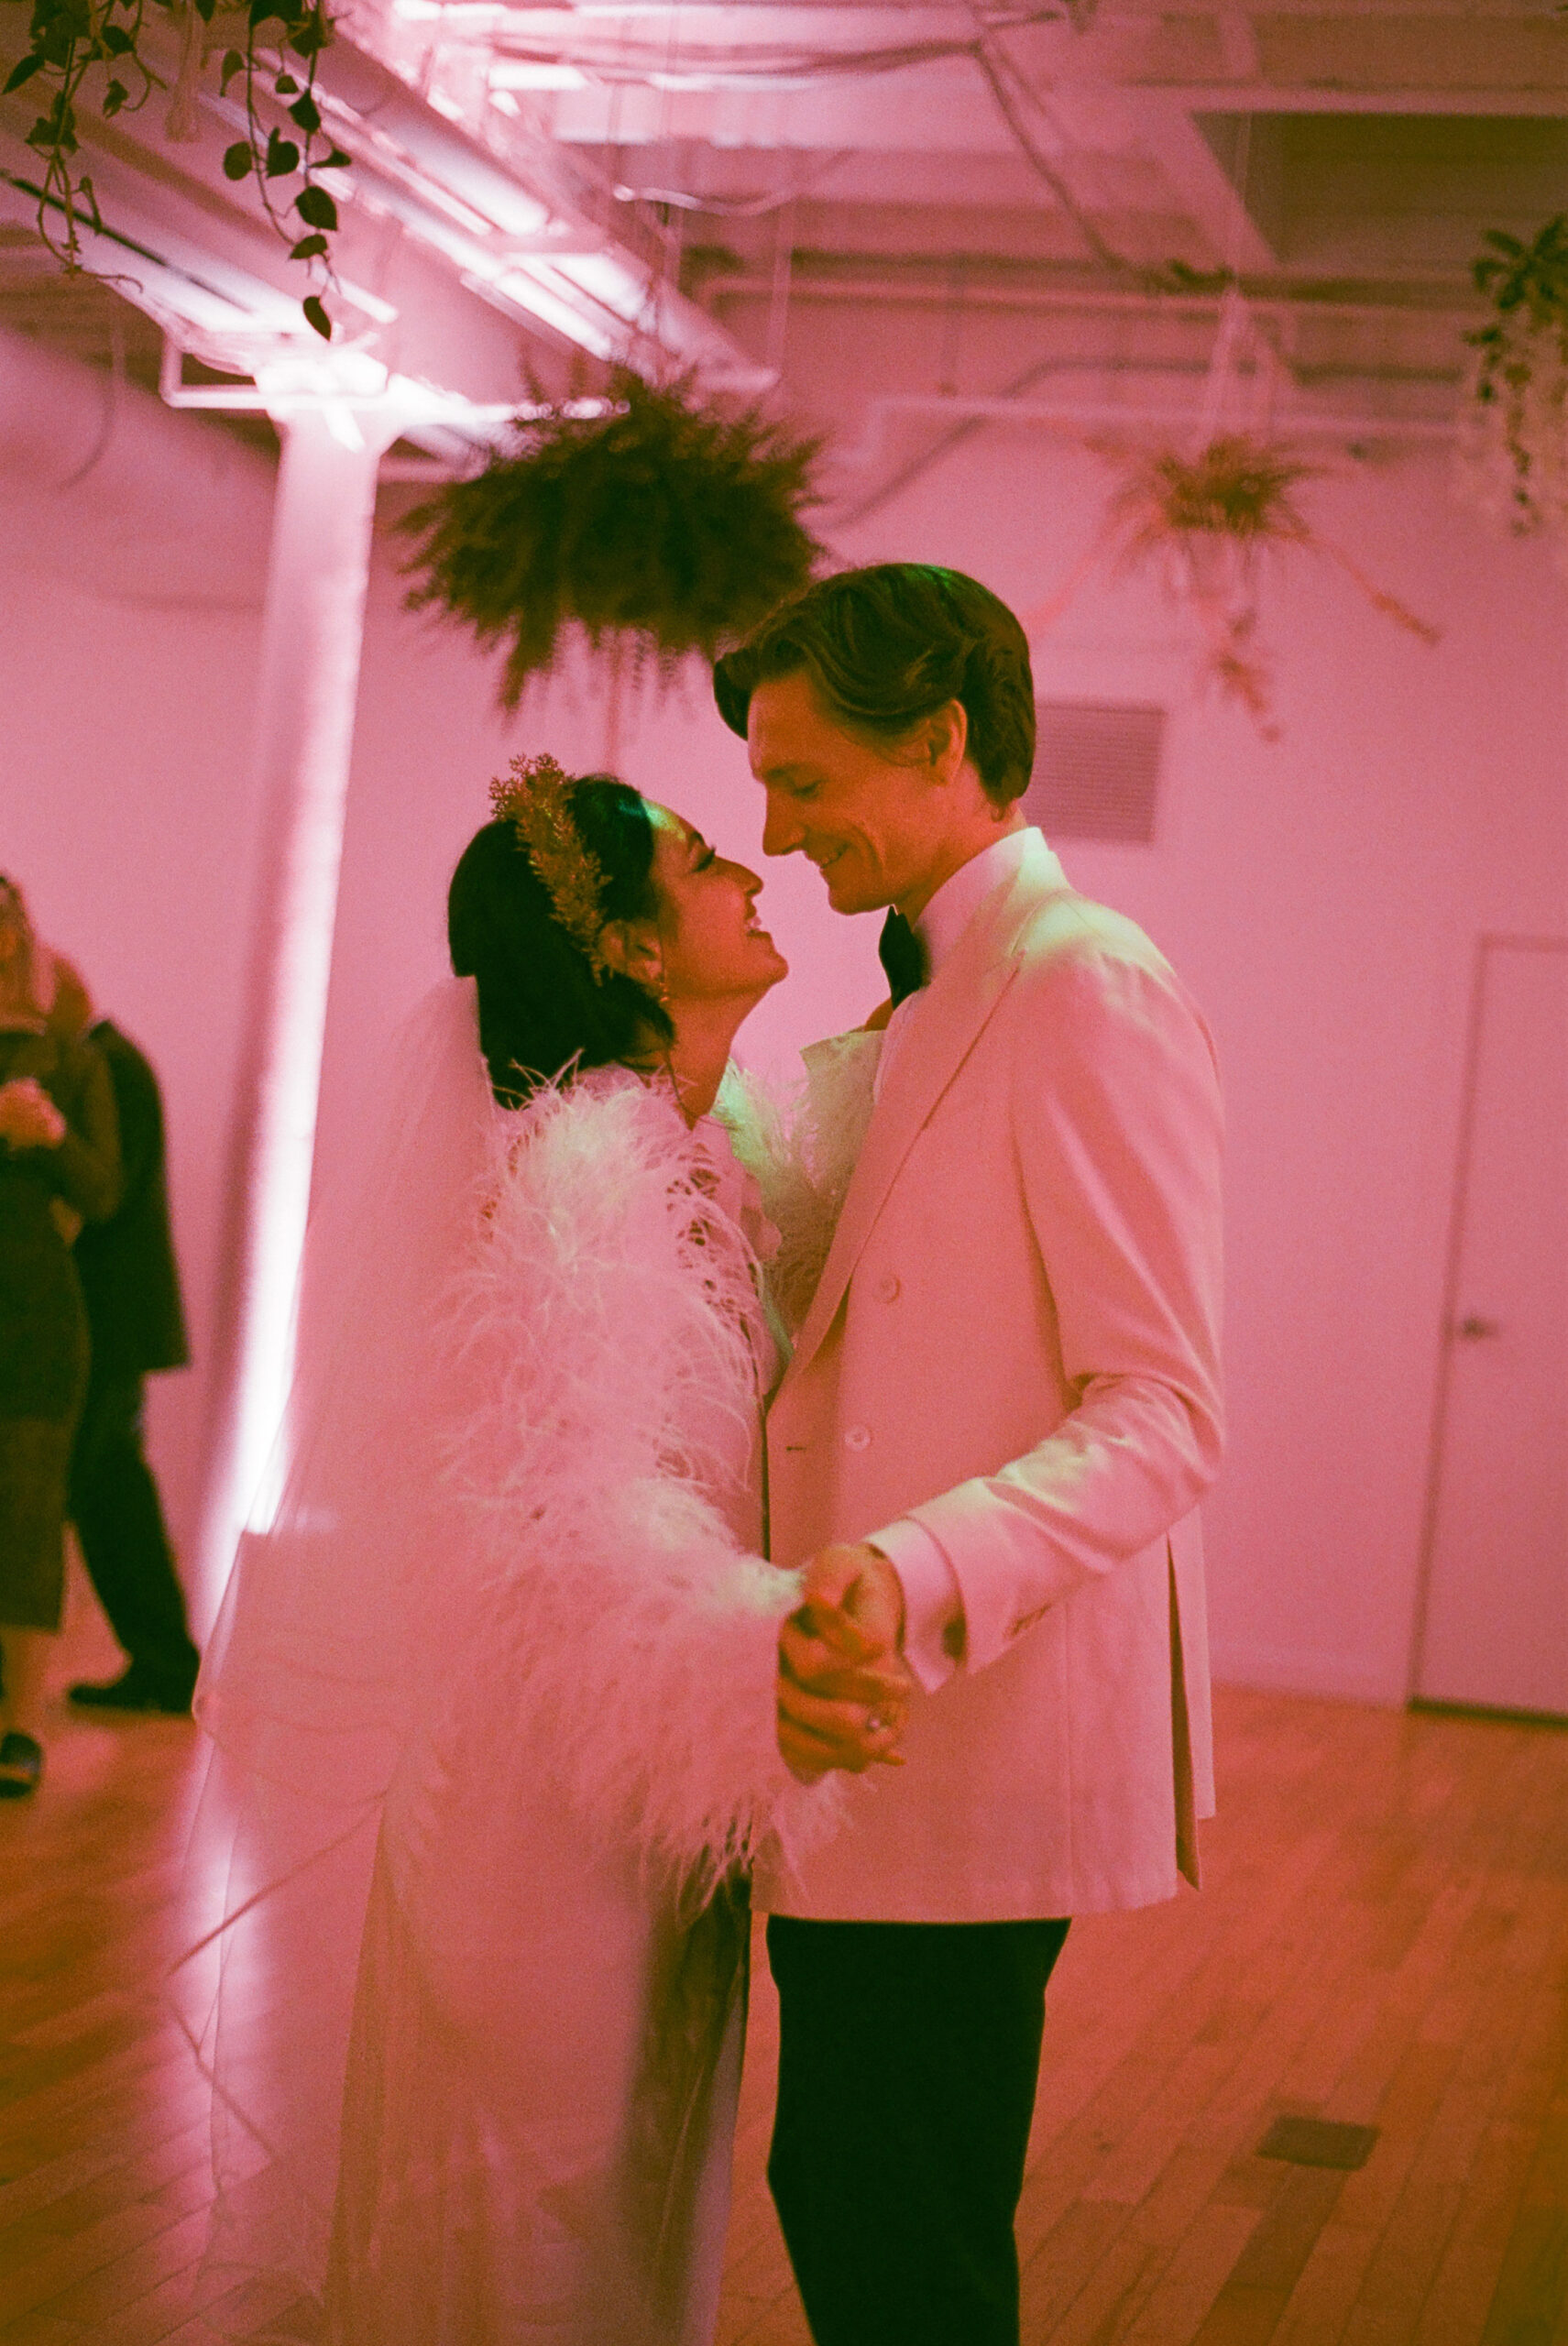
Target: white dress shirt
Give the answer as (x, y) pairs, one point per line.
(933, 1609)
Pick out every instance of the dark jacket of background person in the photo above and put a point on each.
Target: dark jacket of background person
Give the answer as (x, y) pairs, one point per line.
(131, 1284)
(43, 1321)
(42, 1327)
(126, 1263)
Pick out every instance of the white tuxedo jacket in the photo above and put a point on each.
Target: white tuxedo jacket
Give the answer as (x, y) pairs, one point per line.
(1014, 1341)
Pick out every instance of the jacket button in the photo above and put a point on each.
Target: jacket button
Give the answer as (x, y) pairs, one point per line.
(888, 1286)
(857, 1436)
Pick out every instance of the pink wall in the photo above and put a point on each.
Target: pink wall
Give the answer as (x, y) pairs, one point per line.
(130, 607)
(1322, 896)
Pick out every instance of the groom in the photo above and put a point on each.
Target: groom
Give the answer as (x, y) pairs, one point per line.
(1003, 1409)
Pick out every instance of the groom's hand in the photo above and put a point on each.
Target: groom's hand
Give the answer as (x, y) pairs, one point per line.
(842, 1688)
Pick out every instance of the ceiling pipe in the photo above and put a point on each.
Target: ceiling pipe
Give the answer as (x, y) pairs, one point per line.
(1449, 300)
(962, 419)
(1073, 416)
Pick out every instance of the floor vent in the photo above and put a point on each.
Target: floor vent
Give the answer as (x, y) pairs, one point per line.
(1096, 771)
(1317, 2142)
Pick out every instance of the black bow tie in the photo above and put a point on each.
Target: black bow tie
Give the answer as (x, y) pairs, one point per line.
(903, 956)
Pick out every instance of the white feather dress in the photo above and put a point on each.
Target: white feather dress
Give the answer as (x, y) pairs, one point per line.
(494, 1715)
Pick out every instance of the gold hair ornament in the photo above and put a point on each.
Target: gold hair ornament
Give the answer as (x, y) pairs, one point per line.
(534, 801)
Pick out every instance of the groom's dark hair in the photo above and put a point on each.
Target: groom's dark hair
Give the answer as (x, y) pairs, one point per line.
(887, 647)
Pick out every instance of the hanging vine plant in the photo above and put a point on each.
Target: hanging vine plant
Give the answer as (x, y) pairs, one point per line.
(1515, 452)
(661, 521)
(93, 52)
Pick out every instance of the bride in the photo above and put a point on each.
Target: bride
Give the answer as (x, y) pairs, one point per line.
(492, 1694)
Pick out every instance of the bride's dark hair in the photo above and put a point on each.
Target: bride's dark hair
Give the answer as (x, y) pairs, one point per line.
(540, 1006)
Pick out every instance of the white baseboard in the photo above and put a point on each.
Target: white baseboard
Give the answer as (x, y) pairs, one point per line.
(1282, 1669)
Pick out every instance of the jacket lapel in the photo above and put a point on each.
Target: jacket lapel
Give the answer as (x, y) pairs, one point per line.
(951, 1018)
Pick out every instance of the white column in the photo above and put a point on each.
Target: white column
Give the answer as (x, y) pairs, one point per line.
(312, 637)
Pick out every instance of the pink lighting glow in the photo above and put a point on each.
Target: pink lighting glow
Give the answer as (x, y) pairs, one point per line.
(310, 674)
(1014, 273)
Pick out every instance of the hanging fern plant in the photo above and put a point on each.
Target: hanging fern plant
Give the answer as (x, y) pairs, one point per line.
(1201, 522)
(662, 523)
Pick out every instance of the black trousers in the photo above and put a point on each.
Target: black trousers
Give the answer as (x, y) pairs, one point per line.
(119, 1521)
(908, 2058)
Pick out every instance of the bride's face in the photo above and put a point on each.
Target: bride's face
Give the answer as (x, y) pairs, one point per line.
(712, 945)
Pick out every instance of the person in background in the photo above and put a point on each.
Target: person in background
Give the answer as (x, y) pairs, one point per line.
(60, 1169)
(131, 1285)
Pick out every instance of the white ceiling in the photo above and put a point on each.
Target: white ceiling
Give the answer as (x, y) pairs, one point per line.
(1344, 161)
(979, 162)
(934, 112)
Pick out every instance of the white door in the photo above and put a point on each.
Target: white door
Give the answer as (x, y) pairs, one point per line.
(1495, 1625)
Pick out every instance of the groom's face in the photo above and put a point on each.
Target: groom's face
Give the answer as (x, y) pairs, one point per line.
(862, 816)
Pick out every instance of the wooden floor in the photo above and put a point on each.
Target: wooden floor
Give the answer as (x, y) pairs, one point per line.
(1383, 1939)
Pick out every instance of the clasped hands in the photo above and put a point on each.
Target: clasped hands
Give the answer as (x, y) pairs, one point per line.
(843, 1686)
(28, 1117)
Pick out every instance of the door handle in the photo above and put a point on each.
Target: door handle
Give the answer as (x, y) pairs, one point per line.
(1474, 1329)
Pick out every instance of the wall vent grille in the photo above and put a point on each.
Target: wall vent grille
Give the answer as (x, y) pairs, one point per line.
(1096, 771)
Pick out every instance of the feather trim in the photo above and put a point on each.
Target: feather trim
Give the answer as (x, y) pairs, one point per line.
(803, 1152)
(605, 1326)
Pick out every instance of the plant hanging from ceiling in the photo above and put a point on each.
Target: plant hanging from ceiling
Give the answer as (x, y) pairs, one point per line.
(1202, 524)
(99, 52)
(647, 517)
(1514, 450)
(1205, 517)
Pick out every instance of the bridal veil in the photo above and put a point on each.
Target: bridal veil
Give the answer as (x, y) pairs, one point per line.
(318, 1656)
(497, 1672)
